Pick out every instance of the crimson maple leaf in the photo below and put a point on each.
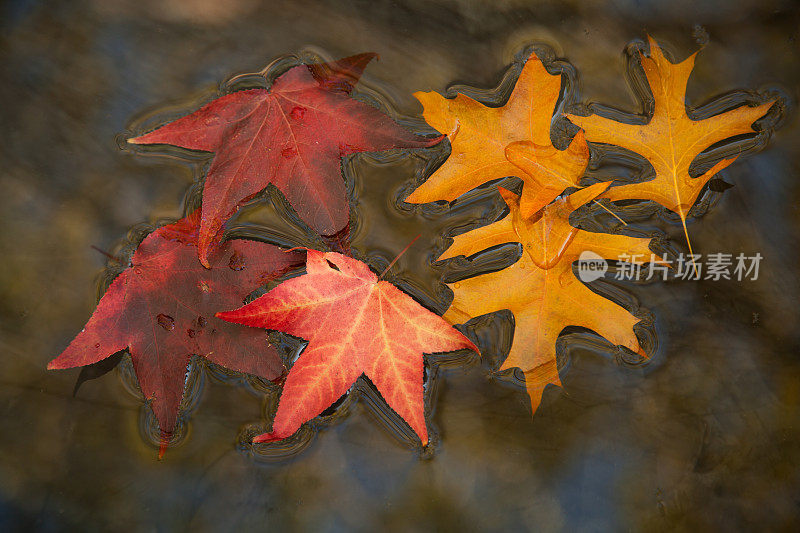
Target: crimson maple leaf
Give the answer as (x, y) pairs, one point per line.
(355, 324)
(292, 135)
(162, 310)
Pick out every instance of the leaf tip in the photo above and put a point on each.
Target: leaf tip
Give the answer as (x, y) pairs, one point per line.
(427, 98)
(472, 346)
(533, 57)
(579, 140)
(454, 315)
(235, 316)
(163, 444)
(58, 364)
(414, 198)
(266, 437)
(447, 254)
(202, 255)
(508, 196)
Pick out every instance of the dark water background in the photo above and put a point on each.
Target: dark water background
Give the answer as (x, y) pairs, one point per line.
(706, 434)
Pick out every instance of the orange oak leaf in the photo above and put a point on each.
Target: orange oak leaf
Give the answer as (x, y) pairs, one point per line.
(162, 310)
(671, 140)
(292, 135)
(494, 142)
(355, 324)
(540, 289)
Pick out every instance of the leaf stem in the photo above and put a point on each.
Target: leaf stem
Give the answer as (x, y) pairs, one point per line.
(610, 211)
(404, 250)
(112, 257)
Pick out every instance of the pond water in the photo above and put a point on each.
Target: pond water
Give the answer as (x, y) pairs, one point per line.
(704, 434)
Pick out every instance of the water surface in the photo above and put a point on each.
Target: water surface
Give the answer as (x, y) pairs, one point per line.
(704, 434)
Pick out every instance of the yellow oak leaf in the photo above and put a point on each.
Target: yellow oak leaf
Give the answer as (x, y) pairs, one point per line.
(540, 289)
(671, 140)
(494, 142)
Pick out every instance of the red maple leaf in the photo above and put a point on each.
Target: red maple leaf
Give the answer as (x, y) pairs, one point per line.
(355, 324)
(292, 135)
(162, 310)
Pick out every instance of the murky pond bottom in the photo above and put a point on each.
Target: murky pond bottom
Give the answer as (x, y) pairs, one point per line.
(705, 434)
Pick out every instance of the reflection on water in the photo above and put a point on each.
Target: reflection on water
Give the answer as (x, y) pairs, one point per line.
(703, 433)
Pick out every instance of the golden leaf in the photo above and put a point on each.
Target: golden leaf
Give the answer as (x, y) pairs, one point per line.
(671, 140)
(513, 140)
(540, 289)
